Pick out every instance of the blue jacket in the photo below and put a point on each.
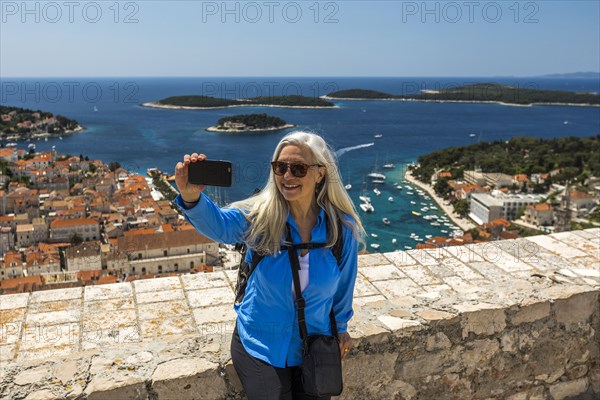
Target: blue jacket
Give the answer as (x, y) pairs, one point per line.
(267, 317)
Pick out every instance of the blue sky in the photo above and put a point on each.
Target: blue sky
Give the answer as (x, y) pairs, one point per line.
(301, 38)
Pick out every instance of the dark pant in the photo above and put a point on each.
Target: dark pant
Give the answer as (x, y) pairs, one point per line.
(262, 381)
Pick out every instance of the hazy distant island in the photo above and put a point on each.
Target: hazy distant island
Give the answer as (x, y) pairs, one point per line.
(23, 124)
(249, 123)
(479, 93)
(573, 75)
(194, 102)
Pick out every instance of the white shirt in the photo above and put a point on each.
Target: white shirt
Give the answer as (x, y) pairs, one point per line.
(302, 274)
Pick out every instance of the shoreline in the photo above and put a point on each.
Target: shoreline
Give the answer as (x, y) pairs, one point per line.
(171, 107)
(463, 101)
(462, 223)
(43, 135)
(277, 128)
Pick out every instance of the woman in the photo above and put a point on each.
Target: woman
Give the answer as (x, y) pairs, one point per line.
(304, 191)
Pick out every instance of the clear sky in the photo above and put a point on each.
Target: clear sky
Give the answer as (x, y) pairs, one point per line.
(298, 38)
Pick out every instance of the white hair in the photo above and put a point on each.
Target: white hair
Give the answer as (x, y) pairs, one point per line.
(267, 210)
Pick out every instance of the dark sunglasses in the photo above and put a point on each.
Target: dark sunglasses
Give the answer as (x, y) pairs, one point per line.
(299, 170)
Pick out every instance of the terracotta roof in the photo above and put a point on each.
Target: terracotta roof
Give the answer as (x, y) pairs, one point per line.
(521, 178)
(577, 195)
(107, 279)
(540, 207)
(65, 223)
(161, 240)
(8, 284)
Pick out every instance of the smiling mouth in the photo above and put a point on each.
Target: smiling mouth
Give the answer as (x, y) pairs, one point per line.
(289, 187)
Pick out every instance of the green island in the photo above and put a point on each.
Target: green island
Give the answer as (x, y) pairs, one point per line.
(249, 123)
(206, 102)
(24, 124)
(575, 157)
(479, 93)
(542, 166)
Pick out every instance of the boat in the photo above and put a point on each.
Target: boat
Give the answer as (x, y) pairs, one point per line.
(428, 236)
(399, 187)
(418, 214)
(60, 138)
(386, 221)
(374, 235)
(95, 109)
(408, 247)
(365, 199)
(389, 166)
(367, 207)
(379, 181)
(391, 199)
(11, 145)
(444, 231)
(375, 245)
(472, 134)
(377, 192)
(409, 193)
(394, 241)
(376, 175)
(378, 135)
(435, 224)
(348, 186)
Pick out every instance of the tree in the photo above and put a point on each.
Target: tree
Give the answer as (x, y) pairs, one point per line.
(75, 239)
(113, 166)
(442, 187)
(461, 207)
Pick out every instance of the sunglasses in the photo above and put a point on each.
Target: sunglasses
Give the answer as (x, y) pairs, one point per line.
(299, 170)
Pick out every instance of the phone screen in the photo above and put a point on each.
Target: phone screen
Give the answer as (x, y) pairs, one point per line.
(210, 172)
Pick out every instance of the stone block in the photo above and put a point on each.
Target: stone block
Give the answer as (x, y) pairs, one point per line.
(381, 272)
(111, 291)
(57, 295)
(531, 313)
(563, 390)
(157, 284)
(480, 352)
(160, 297)
(117, 386)
(44, 394)
(394, 323)
(206, 281)
(483, 322)
(576, 309)
(377, 369)
(10, 301)
(439, 341)
(187, 379)
(66, 371)
(31, 376)
(210, 297)
(232, 376)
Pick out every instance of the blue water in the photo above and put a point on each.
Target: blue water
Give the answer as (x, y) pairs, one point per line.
(139, 138)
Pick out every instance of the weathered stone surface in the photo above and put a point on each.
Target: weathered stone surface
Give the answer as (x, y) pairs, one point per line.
(576, 309)
(483, 322)
(562, 390)
(66, 371)
(378, 369)
(438, 342)
(188, 378)
(111, 387)
(531, 313)
(43, 394)
(480, 352)
(33, 375)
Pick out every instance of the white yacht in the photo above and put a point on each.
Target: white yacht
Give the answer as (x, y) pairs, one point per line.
(374, 235)
(367, 207)
(386, 221)
(377, 192)
(391, 199)
(365, 199)
(348, 186)
(375, 245)
(394, 241)
(376, 175)
(389, 166)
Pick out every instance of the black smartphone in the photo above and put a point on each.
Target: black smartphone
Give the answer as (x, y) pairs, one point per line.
(210, 172)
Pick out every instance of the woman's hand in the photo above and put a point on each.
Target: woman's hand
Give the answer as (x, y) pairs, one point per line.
(189, 192)
(345, 344)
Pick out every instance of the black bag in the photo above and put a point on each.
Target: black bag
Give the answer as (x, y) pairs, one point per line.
(321, 358)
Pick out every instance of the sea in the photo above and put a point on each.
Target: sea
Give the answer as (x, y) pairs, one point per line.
(365, 134)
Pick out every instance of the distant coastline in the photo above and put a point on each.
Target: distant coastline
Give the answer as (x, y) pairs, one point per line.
(275, 128)
(171, 107)
(502, 103)
(483, 93)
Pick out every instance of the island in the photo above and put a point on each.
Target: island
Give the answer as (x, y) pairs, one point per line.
(194, 102)
(24, 124)
(479, 93)
(249, 123)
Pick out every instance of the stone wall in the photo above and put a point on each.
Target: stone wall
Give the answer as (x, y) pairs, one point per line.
(514, 320)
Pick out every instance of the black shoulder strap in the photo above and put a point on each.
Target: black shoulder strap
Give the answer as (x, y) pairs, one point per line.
(337, 248)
